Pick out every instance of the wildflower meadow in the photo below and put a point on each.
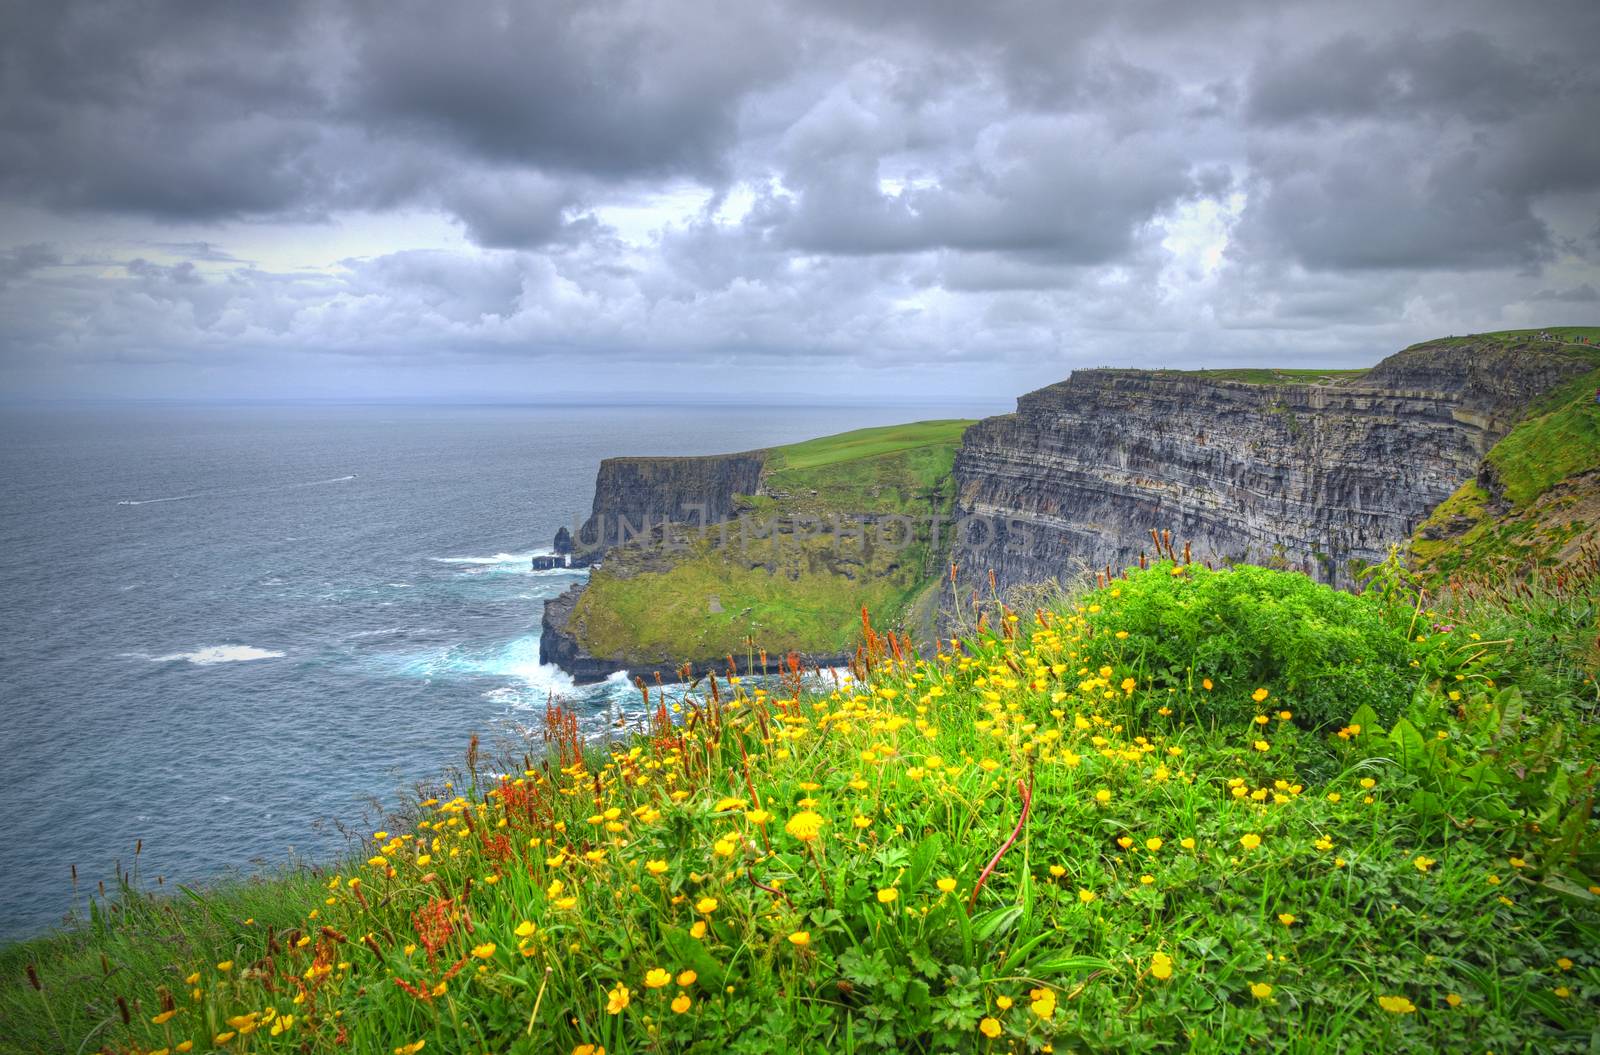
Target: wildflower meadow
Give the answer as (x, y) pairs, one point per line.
(1183, 810)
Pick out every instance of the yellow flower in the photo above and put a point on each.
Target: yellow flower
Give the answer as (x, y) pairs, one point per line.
(1397, 1005)
(1453, 999)
(1086, 896)
(1057, 871)
(617, 999)
(163, 1018)
(1128, 685)
(1003, 1002)
(1562, 991)
(989, 1027)
(805, 825)
(1102, 796)
(757, 816)
(723, 848)
(588, 1049)
(1260, 990)
(1423, 862)
(680, 1003)
(1286, 918)
(698, 931)
(524, 929)
(1153, 844)
(1262, 745)
(1042, 1002)
(888, 895)
(412, 1048)
(1250, 841)
(223, 1037)
(800, 938)
(656, 978)
(1161, 966)
(1205, 683)
(225, 965)
(1368, 782)
(1259, 695)
(655, 868)
(484, 951)
(946, 885)
(1563, 963)
(1187, 844)
(706, 906)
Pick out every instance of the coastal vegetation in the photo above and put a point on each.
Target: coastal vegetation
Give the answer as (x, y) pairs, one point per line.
(841, 522)
(1184, 809)
(1536, 501)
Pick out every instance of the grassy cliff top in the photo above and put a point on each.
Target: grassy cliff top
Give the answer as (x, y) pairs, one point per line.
(1272, 376)
(800, 590)
(867, 443)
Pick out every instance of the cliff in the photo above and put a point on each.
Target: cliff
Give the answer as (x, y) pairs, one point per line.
(776, 549)
(633, 494)
(1319, 477)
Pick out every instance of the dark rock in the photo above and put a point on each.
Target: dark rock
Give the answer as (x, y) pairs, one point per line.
(1312, 477)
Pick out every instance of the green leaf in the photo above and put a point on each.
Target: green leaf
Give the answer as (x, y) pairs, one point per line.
(1413, 748)
(1068, 963)
(923, 858)
(687, 950)
(1367, 718)
(991, 924)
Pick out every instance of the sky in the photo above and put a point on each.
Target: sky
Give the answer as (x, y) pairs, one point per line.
(747, 199)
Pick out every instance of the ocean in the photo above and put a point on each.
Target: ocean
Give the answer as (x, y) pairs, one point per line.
(227, 630)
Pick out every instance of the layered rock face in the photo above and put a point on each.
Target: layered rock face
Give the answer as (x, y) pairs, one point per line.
(1318, 477)
(633, 494)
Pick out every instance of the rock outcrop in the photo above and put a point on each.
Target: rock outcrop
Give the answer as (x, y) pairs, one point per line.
(1317, 477)
(632, 495)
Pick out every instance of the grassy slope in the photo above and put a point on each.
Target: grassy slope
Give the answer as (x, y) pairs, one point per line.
(1546, 472)
(1175, 887)
(785, 592)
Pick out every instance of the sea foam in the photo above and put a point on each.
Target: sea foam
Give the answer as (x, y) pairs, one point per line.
(213, 654)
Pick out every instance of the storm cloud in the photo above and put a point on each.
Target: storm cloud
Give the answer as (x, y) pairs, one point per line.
(692, 196)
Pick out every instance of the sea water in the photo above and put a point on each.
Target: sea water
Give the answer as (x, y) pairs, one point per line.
(229, 630)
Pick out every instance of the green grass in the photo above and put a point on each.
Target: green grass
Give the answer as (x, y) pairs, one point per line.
(1272, 376)
(786, 593)
(1559, 437)
(847, 868)
(868, 443)
(792, 592)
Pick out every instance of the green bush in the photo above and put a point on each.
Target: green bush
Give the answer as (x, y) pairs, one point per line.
(1321, 653)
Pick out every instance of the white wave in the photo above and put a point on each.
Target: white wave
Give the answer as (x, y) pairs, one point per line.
(497, 562)
(153, 501)
(399, 585)
(213, 654)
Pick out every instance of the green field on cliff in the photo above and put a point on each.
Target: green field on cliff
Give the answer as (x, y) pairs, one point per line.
(798, 588)
(1192, 810)
(1545, 499)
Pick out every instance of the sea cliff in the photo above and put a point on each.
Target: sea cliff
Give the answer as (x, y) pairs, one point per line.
(1319, 477)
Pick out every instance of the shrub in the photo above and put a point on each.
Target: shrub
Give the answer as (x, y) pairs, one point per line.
(1320, 652)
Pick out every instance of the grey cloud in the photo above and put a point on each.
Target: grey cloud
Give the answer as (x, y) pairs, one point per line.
(995, 192)
(24, 260)
(1584, 294)
(1465, 73)
(1383, 201)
